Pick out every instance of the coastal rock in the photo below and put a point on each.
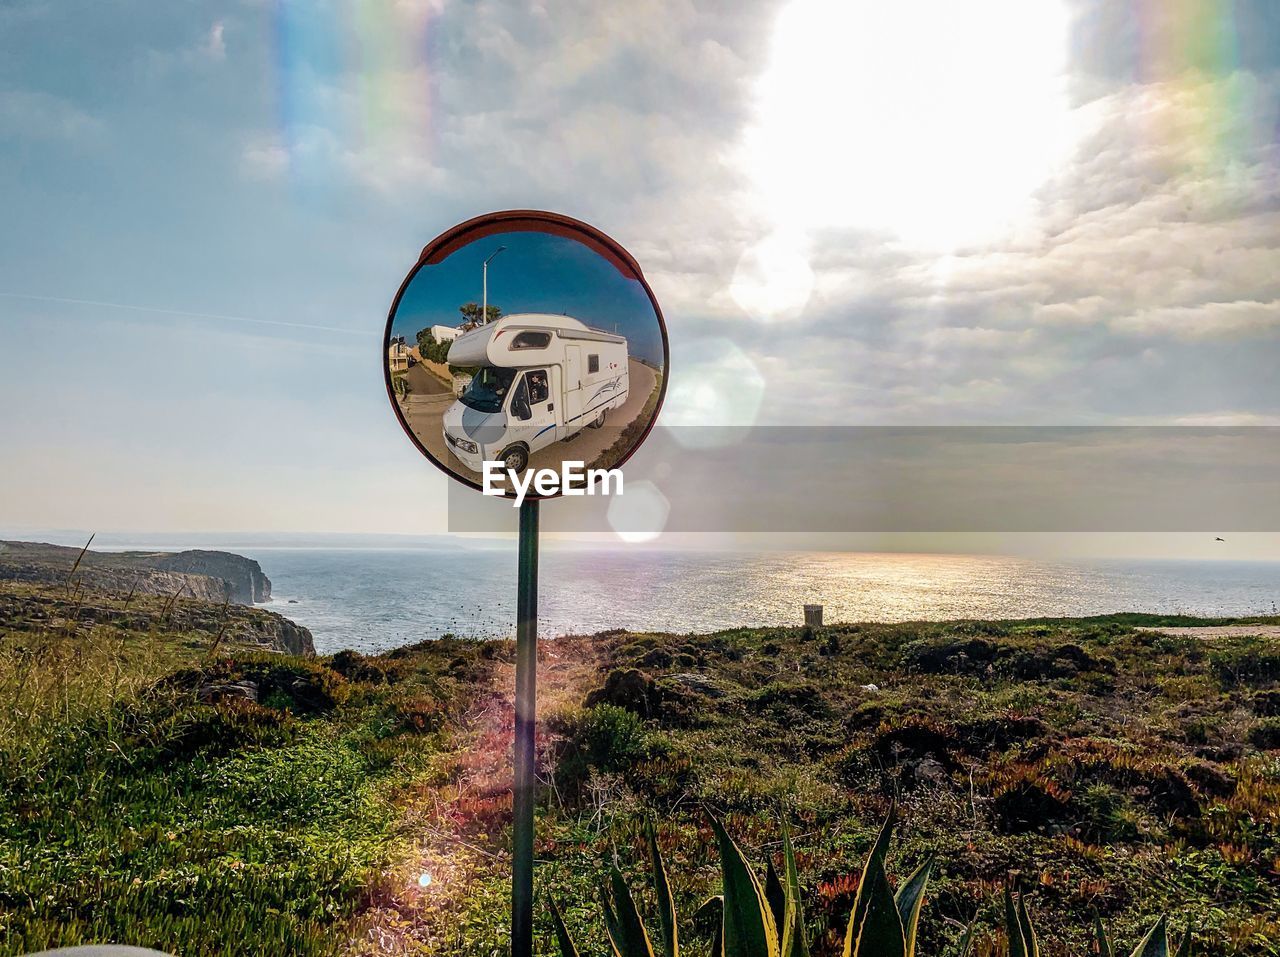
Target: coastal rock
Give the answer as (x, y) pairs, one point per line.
(699, 684)
(275, 632)
(196, 573)
(217, 691)
(248, 585)
(41, 608)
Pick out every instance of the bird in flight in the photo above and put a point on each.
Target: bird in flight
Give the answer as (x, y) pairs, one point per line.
(1219, 539)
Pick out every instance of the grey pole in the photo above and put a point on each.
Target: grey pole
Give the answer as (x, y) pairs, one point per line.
(484, 305)
(526, 697)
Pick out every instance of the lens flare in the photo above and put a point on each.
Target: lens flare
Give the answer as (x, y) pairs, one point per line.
(716, 390)
(1190, 53)
(640, 514)
(352, 91)
(424, 879)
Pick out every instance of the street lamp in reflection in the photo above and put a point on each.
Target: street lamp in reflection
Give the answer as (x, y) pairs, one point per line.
(484, 306)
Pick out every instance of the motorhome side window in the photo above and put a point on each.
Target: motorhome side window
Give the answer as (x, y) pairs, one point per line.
(539, 390)
(593, 362)
(531, 340)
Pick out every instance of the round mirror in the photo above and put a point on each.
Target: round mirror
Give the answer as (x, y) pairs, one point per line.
(521, 341)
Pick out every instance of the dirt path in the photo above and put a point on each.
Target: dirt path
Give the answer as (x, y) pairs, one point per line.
(1220, 631)
(423, 382)
(459, 818)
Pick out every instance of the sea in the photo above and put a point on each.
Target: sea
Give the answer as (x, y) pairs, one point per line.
(372, 599)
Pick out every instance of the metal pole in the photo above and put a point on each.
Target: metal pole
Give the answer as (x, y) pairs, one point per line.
(484, 304)
(526, 691)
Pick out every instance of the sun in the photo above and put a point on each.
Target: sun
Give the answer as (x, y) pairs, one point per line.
(932, 120)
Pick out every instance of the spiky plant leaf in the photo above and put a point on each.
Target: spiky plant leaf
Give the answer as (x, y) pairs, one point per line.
(666, 903)
(1156, 943)
(776, 897)
(879, 851)
(909, 900)
(966, 939)
(1104, 942)
(713, 910)
(793, 939)
(626, 930)
(612, 928)
(1013, 927)
(1184, 949)
(749, 930)
(1028, 932)
(880, 934)
(567, 947)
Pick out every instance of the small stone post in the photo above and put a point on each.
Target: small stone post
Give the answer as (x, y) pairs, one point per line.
(813, 616)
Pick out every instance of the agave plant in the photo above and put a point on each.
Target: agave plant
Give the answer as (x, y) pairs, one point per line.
(762, 920)
(1159, 941)
(767, 920)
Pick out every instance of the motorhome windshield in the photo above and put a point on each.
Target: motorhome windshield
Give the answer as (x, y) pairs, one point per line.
(488, 389)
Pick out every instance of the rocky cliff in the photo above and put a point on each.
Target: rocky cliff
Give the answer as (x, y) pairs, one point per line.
(244, 575)
(44, 607)
(197, 573)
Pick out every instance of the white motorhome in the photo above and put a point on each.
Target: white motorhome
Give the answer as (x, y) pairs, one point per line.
(540, 379)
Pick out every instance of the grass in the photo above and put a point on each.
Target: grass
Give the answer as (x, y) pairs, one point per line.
(1103, 769)
(58, 663)
(160, 808)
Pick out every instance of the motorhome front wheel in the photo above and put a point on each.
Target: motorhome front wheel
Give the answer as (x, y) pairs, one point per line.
(598, 421)
(515, 459)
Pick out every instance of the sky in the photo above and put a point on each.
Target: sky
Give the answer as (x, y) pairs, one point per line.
(534, 272)
(856, 213)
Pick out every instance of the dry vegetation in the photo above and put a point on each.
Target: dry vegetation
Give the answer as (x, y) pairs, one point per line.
(165, 792)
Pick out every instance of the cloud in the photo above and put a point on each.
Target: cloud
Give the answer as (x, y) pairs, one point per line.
(1161, 233)
(34, 114)
(1148, 278)
(1211, 320)
(215, 46)
(264, 158)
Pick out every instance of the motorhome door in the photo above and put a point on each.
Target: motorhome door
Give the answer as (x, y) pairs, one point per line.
(541, 428)
(572, 387)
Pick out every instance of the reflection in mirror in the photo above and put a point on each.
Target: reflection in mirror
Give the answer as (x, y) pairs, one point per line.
(555, 352)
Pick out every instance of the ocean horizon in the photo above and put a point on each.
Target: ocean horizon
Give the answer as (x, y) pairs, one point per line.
(372, 599)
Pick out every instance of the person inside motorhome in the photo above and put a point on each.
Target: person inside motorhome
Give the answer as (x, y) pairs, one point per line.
(538, 390)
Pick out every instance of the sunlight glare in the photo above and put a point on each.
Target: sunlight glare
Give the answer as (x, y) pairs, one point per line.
(931, 119)
(773, 280)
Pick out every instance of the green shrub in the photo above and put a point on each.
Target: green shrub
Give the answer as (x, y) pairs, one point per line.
(790, 700)
(601, 738)
(1105, 815)
(1250, 661)
(356, 667)
(1266, 704)
(1265, 735)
